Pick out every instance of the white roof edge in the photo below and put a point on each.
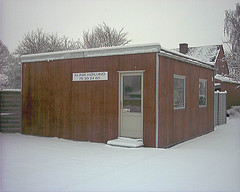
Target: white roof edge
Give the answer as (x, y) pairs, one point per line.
(110, 51)
(94, 52)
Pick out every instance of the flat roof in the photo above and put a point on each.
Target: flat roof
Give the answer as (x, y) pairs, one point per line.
(110, 51)
(94, 52)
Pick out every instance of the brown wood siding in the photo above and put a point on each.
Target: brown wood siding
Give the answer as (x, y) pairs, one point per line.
(181, 124)
(54, 105)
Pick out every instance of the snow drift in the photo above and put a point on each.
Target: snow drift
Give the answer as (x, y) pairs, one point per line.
(207, 163)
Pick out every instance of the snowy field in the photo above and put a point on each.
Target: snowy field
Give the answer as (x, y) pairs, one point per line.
(207, 163)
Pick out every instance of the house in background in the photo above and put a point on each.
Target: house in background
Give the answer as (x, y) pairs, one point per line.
(214, 54)
(232, 87)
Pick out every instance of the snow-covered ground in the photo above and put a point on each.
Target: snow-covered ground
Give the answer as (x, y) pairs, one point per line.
(207, 163)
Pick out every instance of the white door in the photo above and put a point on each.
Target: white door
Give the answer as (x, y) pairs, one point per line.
(131, 105)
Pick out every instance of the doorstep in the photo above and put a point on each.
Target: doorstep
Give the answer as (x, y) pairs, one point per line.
(126, 142)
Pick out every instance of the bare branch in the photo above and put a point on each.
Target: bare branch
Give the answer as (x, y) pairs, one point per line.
(40, 42)
(104, 36)
(232, 32)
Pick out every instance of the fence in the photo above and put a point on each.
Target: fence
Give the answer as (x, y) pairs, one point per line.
(10, 110)
(220, 108)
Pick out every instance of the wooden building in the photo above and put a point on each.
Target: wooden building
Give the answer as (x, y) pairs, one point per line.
(96, 95)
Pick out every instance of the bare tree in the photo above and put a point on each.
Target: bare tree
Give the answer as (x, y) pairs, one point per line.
(4, 55)
(41, 42)
(232, 32)
(10, 69)
(104, 36)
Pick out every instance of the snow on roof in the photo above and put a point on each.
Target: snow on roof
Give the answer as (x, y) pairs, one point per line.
(226, 79)
(94, 52)
(118, 50)
(207, 53)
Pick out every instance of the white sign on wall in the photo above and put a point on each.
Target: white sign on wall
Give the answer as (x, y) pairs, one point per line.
(91, 76)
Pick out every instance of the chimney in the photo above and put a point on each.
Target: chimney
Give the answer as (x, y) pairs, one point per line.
(183, 48)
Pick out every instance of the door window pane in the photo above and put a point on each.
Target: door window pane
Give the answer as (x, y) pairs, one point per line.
(132, 94)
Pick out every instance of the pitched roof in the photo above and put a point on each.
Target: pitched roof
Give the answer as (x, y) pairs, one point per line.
(207, 53)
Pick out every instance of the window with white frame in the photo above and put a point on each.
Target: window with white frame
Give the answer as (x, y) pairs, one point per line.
(202, 92)
(179, 91)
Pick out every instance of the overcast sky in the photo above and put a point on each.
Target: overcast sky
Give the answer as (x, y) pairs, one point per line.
(168, 22)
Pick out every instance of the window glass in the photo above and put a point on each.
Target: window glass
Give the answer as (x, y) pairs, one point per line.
(132, 93)
(202, 92)
(179, 92)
